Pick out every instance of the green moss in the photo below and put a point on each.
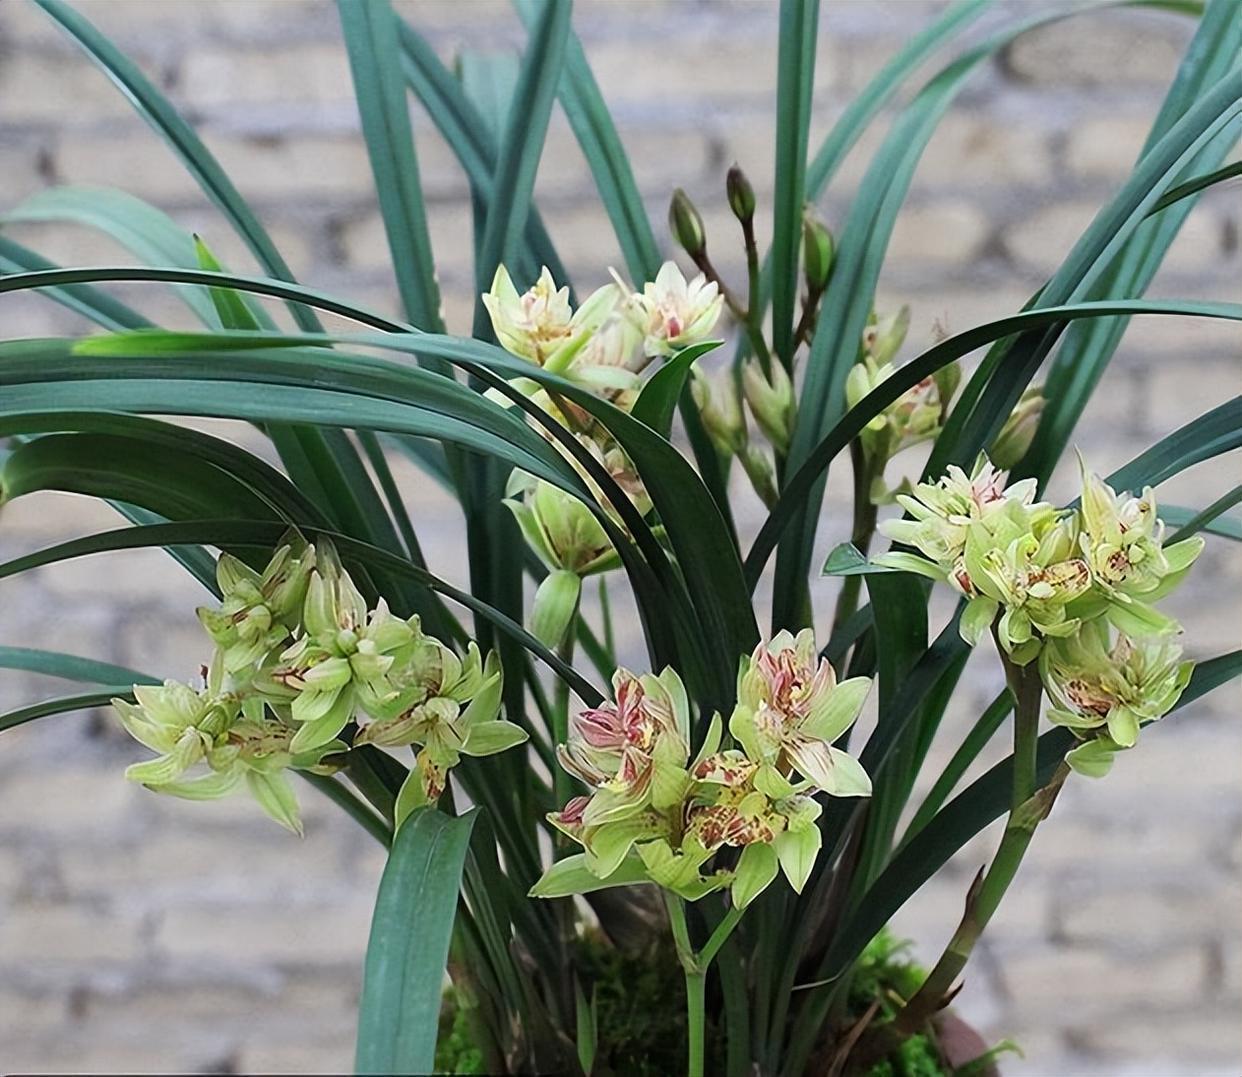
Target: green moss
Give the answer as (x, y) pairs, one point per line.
(456, 1049)
(640, 1007)
(886, 972)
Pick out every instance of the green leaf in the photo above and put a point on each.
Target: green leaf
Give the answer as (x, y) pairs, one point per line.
(156, 110)
(521, 147)
(399, 1012)
(658, 399)
(848, 302)
(795, 77)
(234, 310)
(146, 232)
(1211, 520)
(1087, 349)
(968, 751)
(866, 105)
(70, 667)
(1084, 271)
(605, 155)
(91, 303)
(175, 483)
(469, 136)
(969, 812)
(65, 704)
(1211, 434)
(370, 29)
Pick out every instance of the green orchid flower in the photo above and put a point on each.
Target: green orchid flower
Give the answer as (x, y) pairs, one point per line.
(1122, 542)
(1098, 684)
(943, 513)
(258, 611)
(790, 709)
(1021, 566)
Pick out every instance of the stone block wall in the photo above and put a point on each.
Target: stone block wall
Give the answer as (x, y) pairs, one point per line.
(144, 935)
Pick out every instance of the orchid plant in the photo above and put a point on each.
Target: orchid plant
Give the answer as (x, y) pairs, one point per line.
(719, 808)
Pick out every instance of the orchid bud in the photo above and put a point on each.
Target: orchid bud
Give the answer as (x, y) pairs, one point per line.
(818, 253)
(556, 602)
(761, 471)
(721, 411)
(741, 195)
(686, 225)
(1016, 435)
(883, 337)
(771, 400)
(562, 531)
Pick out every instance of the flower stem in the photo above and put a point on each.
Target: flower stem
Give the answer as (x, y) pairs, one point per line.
(561, 783)
(1029, 808)
(695, 967)
(861, 534)
(754, 297)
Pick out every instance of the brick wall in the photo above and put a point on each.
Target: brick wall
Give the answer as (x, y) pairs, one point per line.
(142, 934)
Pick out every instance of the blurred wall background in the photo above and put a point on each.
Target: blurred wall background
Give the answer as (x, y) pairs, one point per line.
(139, 934)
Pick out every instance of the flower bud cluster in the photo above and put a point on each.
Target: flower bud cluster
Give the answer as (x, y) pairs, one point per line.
(918, 414)
(298, 659)
(668, 815)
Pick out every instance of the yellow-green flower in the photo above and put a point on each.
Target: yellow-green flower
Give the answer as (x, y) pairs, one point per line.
(789, 710)
(1122, 541)
(1025, 570)
(539, 324)
(672, 313)
(943, 513)
(258, 611)
(1097, 684)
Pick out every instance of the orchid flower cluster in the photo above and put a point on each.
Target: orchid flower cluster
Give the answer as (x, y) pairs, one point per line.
(655, 814)
(1074, 588)
(299, 658)
(603, 347)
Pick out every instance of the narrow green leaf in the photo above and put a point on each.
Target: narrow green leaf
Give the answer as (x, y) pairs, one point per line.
(175, 483)
(657, 402)
(1212, 519)
(605, 155)
(370, 29)
(795, 77)
(91, 303)
(969, 812)
(146, 232)
(399, 1012)
(521, 147)
(800, 482)
(70, 667)
(156, 110)
(65, 705)
(469, 136)
(1087, 349)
